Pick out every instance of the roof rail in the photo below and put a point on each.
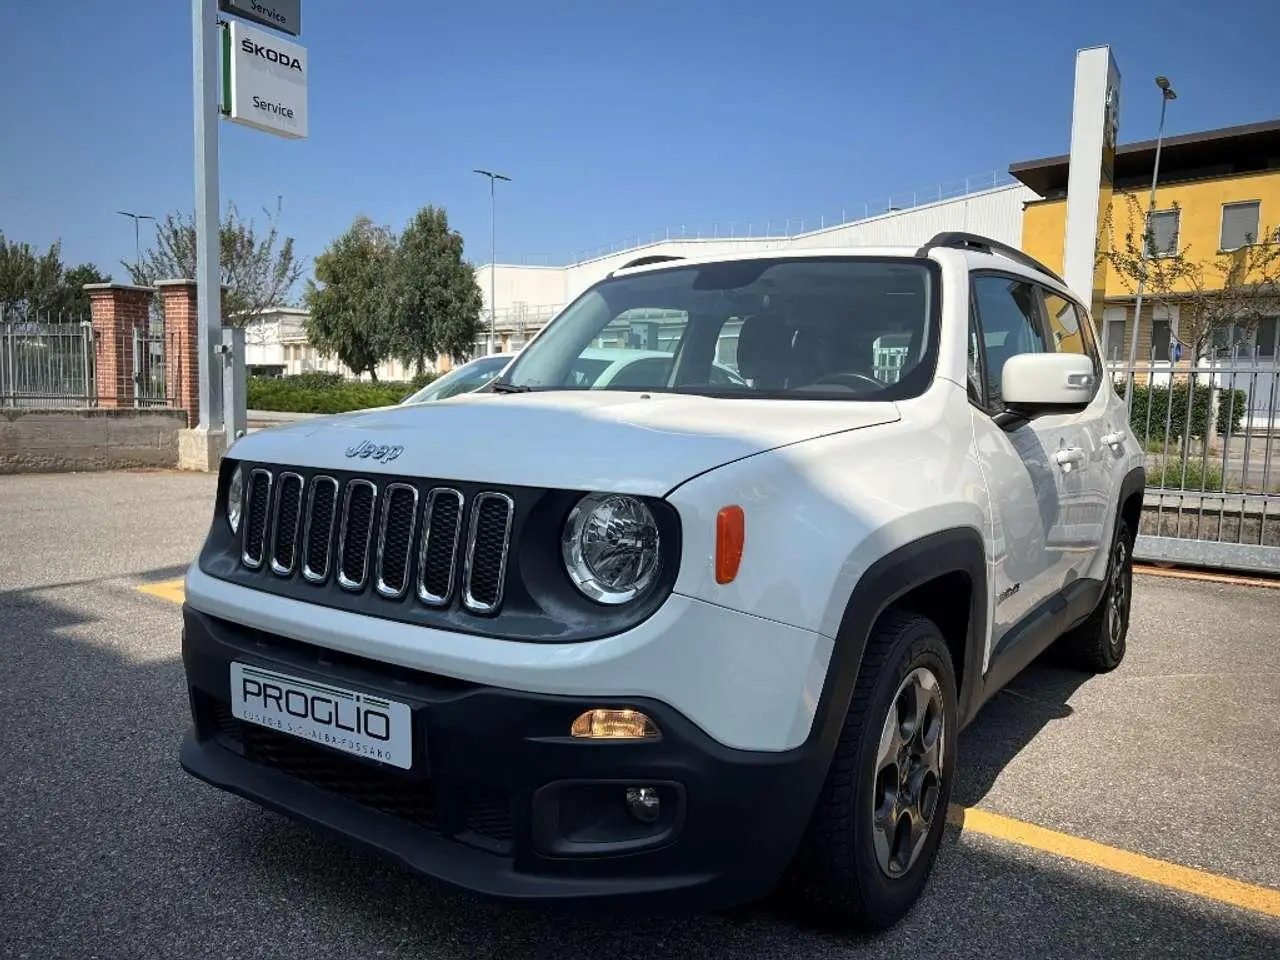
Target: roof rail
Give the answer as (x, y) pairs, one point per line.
(646, 260)
(958, 240)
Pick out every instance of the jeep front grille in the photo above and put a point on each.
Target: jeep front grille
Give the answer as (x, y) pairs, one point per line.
(395, 539)
(284, 538)
(358, 504)
(398, 539)
(317, 540)
(438, 560)
(257, 500)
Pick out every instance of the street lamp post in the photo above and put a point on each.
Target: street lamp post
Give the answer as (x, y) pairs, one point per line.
(137, 244)
(493, 265)
(1148, 234)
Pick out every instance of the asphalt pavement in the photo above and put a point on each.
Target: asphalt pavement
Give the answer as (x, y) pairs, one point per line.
(109, 850)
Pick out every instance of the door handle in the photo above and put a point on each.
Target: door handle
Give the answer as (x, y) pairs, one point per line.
(1068, 458)
(1113, 439)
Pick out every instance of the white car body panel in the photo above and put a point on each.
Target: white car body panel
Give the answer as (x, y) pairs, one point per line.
(843, 502)
(749, 683)
(624, 442)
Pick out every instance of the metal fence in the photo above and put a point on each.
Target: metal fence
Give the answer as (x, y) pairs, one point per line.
(61, 365)
(1211, 432)
(46, 364)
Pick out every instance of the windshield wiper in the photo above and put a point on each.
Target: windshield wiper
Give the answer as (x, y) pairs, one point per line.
(501, 387)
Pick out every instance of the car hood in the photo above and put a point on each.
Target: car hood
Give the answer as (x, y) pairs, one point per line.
(585, 440)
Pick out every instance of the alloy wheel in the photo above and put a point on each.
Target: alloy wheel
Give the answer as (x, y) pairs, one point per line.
(908, 781)
(1118, 594)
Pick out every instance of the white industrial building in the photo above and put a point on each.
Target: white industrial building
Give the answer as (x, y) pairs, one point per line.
(528, 296)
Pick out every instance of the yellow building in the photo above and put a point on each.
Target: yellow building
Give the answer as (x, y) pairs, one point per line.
(1218, 191)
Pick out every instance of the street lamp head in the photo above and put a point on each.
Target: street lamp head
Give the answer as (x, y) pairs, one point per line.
(1167, 91)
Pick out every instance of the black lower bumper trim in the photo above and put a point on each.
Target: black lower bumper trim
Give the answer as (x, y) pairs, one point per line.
(500, 800)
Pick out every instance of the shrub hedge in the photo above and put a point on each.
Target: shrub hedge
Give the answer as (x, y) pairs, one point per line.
(1158, 400)
(327, 392)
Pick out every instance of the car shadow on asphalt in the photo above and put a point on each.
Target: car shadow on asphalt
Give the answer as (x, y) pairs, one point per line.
(1010, 720)
(109, 849)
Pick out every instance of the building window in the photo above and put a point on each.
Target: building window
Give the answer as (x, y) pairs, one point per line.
(1115, 339)
(1267, 335)
(1160, 333)
(1239, 225)
(1164, 233)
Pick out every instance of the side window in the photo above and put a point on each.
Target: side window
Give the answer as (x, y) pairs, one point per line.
(1070, 329)
(1009, 313)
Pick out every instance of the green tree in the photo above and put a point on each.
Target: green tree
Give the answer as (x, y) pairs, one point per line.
(259, 270)
(35, 285)
(73, 300)
(347, 299)
(433, 300)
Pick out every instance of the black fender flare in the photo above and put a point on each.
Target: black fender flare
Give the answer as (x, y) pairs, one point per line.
(888, 579)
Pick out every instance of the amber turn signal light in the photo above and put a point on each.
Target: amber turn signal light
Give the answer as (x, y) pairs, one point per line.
(731, 537)
(605, 724)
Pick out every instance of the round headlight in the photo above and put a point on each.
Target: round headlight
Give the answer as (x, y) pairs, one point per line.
(610, 547)
(235, 498)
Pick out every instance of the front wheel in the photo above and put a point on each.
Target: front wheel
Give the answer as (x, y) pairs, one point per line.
(878, 823)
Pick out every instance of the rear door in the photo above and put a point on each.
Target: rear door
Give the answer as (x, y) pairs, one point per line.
(1085, 520)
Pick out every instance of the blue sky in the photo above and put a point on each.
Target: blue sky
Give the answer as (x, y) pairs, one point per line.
(613, 119)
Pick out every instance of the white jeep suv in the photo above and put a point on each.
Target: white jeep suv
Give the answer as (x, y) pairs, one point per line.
(687, 640)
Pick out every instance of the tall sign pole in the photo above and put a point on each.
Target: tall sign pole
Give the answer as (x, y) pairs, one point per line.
(205, 40)
(493, 261)
(1095, 126)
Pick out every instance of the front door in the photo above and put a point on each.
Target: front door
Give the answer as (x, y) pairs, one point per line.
(1037, 469)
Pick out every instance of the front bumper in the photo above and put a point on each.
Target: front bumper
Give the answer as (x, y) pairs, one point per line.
(500, 800)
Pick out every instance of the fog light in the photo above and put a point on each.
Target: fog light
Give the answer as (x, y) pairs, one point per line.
(643, 803)
(602, 724)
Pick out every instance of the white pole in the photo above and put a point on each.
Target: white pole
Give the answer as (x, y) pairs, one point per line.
(205, 42)
(493, 276)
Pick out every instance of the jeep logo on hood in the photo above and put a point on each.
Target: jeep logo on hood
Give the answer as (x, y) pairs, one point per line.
(374, 451)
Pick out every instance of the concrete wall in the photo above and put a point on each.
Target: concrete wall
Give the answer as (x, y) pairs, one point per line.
(53, 441)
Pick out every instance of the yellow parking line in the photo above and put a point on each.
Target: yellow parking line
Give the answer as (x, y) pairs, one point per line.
(166, 590)
(1235, 892)
(1224, 889)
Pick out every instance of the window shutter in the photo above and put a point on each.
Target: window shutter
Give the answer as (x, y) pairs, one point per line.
(1239, 225)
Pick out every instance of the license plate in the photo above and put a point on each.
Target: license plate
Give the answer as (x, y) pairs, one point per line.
(346, 720)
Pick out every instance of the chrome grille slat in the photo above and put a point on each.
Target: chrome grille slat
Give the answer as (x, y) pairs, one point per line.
(362, 530)
(488, 541)
(284, 528)
(317, 537)
(359, 510)
(395, 540)
(438, 556)
(257, 514)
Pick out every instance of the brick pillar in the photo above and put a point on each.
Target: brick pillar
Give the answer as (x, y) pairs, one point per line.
(118, 311)
(181, 346)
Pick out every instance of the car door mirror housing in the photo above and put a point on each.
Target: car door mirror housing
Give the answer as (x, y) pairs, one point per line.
(1035, 383)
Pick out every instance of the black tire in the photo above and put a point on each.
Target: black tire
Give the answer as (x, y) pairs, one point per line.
(837, 875)
(1098, 645)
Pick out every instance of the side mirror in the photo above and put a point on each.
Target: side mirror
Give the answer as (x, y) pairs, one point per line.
(1034, 383)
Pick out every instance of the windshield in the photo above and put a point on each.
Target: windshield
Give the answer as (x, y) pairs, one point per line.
(848, 328)
(464, 379)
